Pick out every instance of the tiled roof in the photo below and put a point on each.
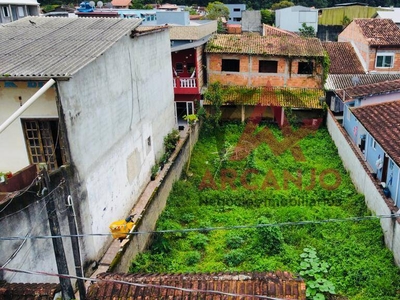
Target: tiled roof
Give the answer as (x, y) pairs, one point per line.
(342, 81)
(382, 121)
(344, 59)
(369, 89)
(57, 47)
(379, 32)
(28, 291)
(265, 45)
(273, 96)
(269, 30)
(121, 2)
(279, 284)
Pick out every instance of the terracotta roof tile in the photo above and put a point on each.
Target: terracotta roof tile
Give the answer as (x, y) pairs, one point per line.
(269, 30)
(265, 45)
(121, 2)
(382, 121)
(342, 81)
(28, 291)
(369, 89)
(379, 32)
(279, 284)
(273, 96)
(344, 59)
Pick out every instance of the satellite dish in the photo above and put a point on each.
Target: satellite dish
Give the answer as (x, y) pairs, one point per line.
(99, 4)
(91, 3)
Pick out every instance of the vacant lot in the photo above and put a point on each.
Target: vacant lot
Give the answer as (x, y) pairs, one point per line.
(238, 183)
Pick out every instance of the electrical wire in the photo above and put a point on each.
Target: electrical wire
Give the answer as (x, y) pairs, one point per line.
(139, 284)
(354, 219)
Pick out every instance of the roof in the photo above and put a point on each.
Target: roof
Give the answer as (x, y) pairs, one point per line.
(332, 16)
(394, 15)
(344, 59)
(57, 47)
(265, 45)
(269, 30)
(342, 81)
(121, 2)
(28, 291)
(379, 32)
(369, 89)
(272, 96)
(196, 286)
(382, 121)
(19, 2)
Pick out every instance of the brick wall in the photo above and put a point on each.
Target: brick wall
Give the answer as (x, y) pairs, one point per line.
(249, 75)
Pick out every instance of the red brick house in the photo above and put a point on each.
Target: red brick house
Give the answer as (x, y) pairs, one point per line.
(253, 61)
(376, 42)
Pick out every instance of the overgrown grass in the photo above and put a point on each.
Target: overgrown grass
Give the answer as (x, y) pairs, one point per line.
(360, 265)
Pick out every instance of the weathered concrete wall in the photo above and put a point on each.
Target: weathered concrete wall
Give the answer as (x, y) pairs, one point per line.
(13, 152)
(117, 111)
(138, 243)
(363, 181)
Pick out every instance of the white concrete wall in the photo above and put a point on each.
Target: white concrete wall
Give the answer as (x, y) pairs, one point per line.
(111, 108)
(366, 186)
(13, 151)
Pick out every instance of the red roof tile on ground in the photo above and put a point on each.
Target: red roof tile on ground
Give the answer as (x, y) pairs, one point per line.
(379, 32)
(382, 121)
(369, 89)
(344, 59)
(265, 45)
(198, 286)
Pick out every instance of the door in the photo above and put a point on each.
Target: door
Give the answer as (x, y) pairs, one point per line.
(385, 167)
(183, 108)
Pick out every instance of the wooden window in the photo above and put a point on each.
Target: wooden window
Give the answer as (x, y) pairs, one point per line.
(44, 143)
(305, 67)
(267, 66)
(230, 65)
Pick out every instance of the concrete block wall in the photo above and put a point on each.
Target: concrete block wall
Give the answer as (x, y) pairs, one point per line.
(365, 184)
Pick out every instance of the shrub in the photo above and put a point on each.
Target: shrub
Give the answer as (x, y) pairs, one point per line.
(193, 258)
(269, 237)
(170, 141)
(234, 241)
(234, 258)
(198, 241)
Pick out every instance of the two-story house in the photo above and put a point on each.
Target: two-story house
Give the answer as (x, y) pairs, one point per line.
(376, 42)
(283, 63)
(87, 93)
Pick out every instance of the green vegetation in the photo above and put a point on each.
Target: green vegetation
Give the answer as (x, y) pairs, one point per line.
(306, 31)
(265, 187)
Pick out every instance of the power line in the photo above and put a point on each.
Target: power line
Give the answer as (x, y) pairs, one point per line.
(354, 219)
(138, 284)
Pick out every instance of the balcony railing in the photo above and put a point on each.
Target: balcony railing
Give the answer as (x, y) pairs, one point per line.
(185, 82)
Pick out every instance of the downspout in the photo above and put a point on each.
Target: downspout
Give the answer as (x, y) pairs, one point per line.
(10, 12)
(28, 103)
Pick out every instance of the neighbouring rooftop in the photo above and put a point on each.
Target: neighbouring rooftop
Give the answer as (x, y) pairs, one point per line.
(29, 291)
(265, 45)
(344, 59)
(379, 32)
(213, 286)
(269, 30)
(382, 121)
(57, 47)
(342, 81)
(358, 91)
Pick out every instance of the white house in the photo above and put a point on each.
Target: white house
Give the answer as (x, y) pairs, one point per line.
(292, 18)
(12, 10)
(106, 116)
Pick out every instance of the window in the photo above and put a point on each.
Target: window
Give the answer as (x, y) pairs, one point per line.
(179, 67)
(373, 143)
(384, 60)
(237, 19)
(21, 12)
(230, 65)
(305, 67)
(267, 66)
(236, 9)
(6, 13)
(44, 143)
(347, 113)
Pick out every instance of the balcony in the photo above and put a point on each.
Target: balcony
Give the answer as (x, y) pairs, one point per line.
(185, 85)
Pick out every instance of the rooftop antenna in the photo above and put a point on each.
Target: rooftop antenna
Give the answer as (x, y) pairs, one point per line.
(100, 4)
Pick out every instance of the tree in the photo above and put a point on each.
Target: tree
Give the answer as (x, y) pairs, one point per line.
(137, 4)
(267, 17)
(306, 31)
(217, 10)
(282, 4)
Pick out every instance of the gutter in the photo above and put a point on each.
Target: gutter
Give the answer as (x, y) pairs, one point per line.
(28, 103)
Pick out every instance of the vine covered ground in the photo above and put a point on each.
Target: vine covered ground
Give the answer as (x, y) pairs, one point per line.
(303, 183)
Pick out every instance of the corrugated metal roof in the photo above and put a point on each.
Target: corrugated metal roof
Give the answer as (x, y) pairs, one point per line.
(272, 96)
(57, 47)
(265, 45)
(215, 286)
(342, 81)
